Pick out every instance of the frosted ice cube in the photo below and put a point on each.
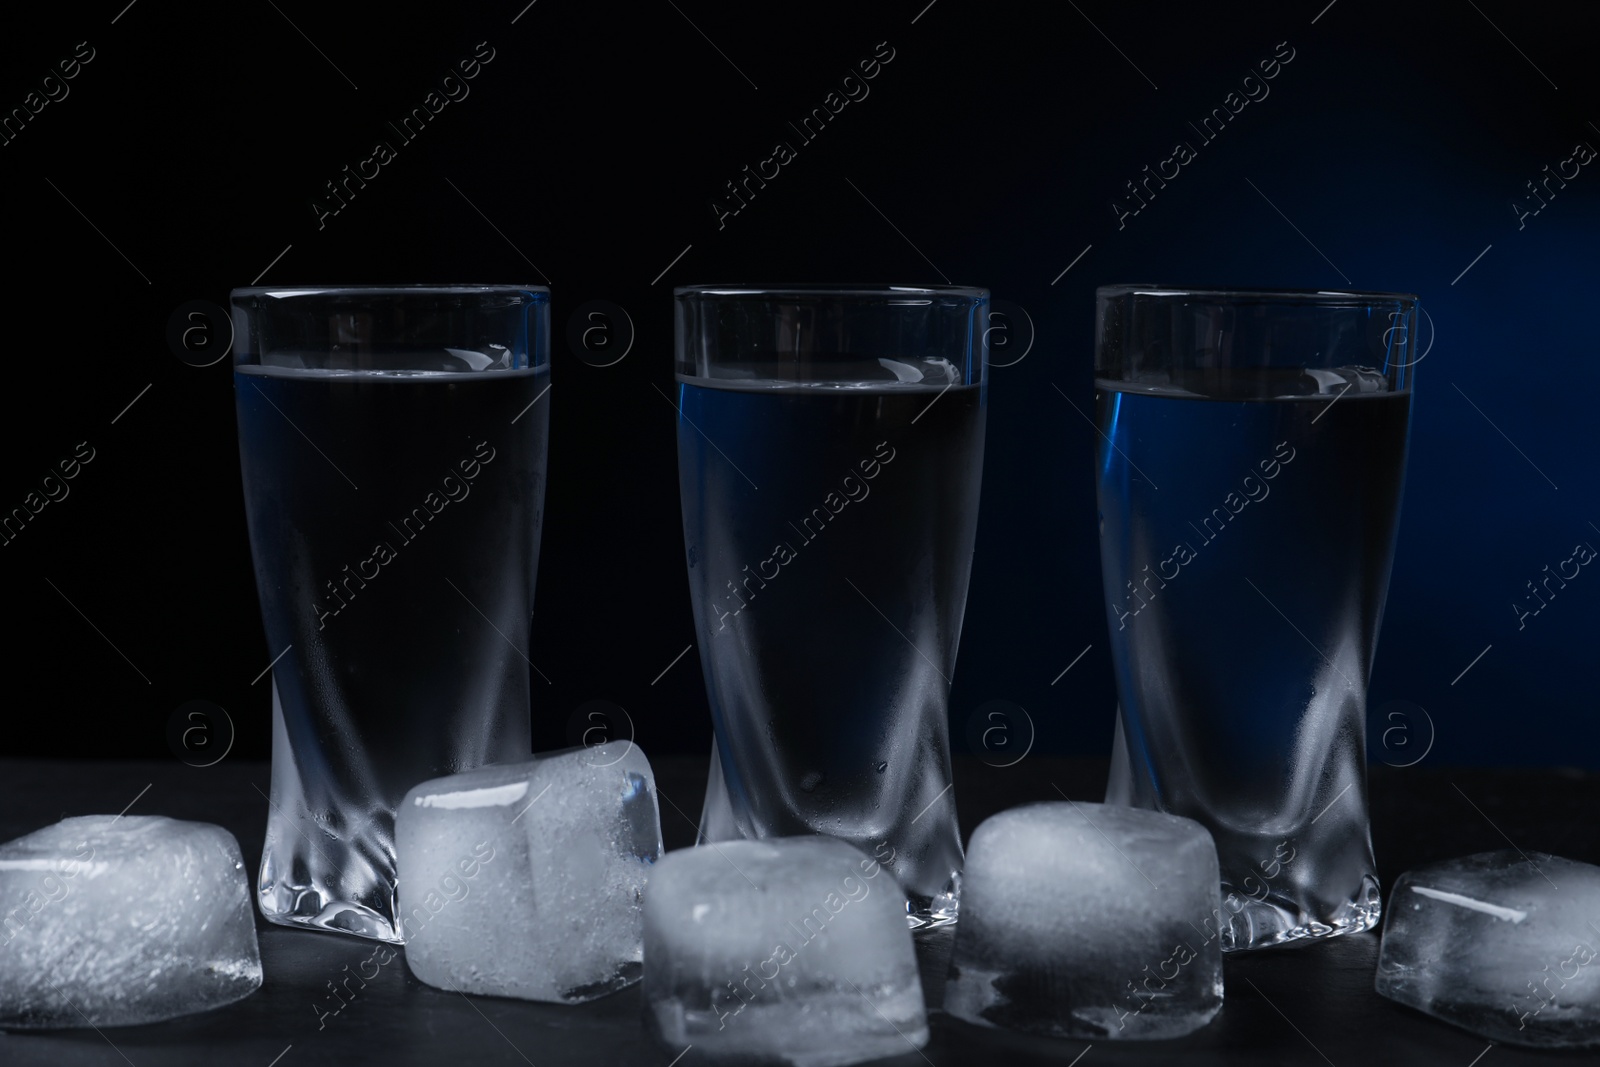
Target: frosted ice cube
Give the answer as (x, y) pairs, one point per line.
(1088, 921)
(110, 921)
(1500, 943)
(525, 879)
(791, 949)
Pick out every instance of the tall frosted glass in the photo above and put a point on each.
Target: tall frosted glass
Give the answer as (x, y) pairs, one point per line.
(393, 449)
(1252, 452)
(830, 450)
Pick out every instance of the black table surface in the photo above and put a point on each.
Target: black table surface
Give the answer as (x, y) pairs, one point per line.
(1312, 1005)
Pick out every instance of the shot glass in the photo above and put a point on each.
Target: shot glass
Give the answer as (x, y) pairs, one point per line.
(393, 449)
(1251, 457)
(830, 450)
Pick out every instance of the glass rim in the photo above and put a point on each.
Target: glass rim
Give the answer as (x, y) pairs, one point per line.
(1324, 297)
(816, 289)
(538, 292)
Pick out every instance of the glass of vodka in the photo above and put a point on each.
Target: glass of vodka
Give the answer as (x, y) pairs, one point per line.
(393, 449)
(830, 450)
(1251, 457)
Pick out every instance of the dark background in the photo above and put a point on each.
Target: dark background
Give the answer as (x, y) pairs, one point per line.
(188, 153)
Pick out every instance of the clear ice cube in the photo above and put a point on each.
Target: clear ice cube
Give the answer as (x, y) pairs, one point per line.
(525, 880)
(791, 950)
(1088, 921)
(115, 920)
(1503, 944)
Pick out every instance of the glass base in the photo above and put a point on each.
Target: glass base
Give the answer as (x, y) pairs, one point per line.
(718, 823)
(1277, 891)
(928, 913)
(303, 907)
(1274, 923)
(327, 863)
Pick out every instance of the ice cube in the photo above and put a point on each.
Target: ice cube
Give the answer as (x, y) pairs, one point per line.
(525, 879)
(1500, 943)
(1088, 921)
(791, 949)
(114, 920)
